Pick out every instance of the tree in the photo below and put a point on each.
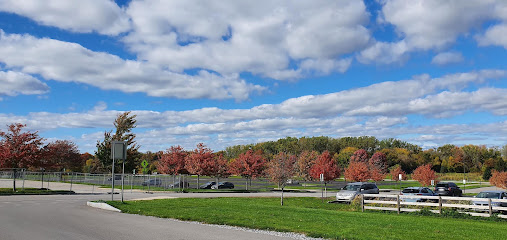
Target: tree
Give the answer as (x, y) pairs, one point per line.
(60, 155)
(280, 169)
(327, 166)
(499, 179)
(219, 167)
(395, 173)
(200, 161)
(249, 165)
(378, 166)
(93, 165)
(343, 158)
(124, 124)
(359, 156)
(304, 162)
(172, 161)
(424, 174)
(357, 172)
(19, 149)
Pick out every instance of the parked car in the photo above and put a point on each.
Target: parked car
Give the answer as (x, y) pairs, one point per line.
(417, 191)
(207, 185)
(448, 189)
(349, 192)
(291, 182)
(483, 196)
(222, 185)
(116, 177)
(180, 185)
(152, 182)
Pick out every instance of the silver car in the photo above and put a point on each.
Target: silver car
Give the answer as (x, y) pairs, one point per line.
(349, 192)
(417, 191)
(482, 199)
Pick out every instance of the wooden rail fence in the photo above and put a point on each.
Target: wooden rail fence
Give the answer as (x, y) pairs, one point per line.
(402, 203)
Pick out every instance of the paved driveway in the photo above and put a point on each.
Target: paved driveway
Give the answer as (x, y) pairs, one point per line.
(67, 217)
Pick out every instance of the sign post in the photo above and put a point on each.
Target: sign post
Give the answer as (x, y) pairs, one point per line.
(118, 151)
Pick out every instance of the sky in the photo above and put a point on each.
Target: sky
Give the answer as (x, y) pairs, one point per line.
(238, 72)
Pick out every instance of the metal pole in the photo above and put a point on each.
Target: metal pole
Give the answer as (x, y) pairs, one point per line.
(122, 179)
(24, 175)
(42, 179)
(112, 182)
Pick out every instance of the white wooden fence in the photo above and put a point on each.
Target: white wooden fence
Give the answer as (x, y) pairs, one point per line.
(399, 203)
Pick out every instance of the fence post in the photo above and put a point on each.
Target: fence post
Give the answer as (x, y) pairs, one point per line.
(440, 204)
(490, 207)
(71, 178)
(362, 202)
(398, 203)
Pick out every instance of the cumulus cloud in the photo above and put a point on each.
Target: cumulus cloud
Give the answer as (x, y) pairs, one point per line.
(260, 37)
(70, 62)
(16, 83)
(102, 16)
(447, 58)
(380, 110)
(495, 35)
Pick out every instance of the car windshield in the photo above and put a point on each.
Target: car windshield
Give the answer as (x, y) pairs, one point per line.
(410, 190)
(442, 185)
(488, 195)
(351, 187)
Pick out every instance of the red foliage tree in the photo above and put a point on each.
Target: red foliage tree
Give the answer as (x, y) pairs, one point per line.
(326, 165)
(395, 173)
(280, 169)
(19, 149)
(424, 174)
(200, 161)
(357, 172)
(60, 155)
(249, 165)
(379, 162)
(219, 167)
(172, 161)
(359, 156)
(304, 163)
(499, 179)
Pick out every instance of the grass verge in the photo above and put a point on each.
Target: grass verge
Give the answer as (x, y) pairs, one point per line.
(313, 218)
(33, 191)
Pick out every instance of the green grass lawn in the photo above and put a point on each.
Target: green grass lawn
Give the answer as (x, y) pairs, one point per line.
(32, 191)
(314, 218)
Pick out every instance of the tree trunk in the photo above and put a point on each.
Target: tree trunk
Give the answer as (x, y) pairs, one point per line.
(14, 180)
(246, 185)
(217, 183)
(197, 182)
(281, 199)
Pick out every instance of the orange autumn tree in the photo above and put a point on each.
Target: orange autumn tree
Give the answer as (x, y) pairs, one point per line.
(424, 174)
(378, 166)
(326, 166)
(304, 163)
(395, 173)
(499, 179)
(357, 172)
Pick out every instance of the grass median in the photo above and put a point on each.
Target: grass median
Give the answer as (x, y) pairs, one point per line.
(33, 191)
(314, 218)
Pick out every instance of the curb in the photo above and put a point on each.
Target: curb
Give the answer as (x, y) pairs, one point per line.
(103, 206)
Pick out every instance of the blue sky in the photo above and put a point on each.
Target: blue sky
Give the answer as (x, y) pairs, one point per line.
(238, 72)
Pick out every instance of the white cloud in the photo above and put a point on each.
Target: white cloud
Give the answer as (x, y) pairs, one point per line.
(15, 83)
(379, 110)
(102, 16)
(260, 37)
(495, 35)
(430, 24)
(384, 53)
(70, 62)
(447, 58)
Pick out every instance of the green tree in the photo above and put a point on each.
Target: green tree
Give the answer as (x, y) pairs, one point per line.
(124, 124)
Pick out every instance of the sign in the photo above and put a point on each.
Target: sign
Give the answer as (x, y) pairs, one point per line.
(464, 181)
(432, 182)
(119, 150)
(144, 164)
(399, 177)
(322, 177)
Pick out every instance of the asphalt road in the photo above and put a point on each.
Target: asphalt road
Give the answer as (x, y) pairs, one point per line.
(67, 217)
